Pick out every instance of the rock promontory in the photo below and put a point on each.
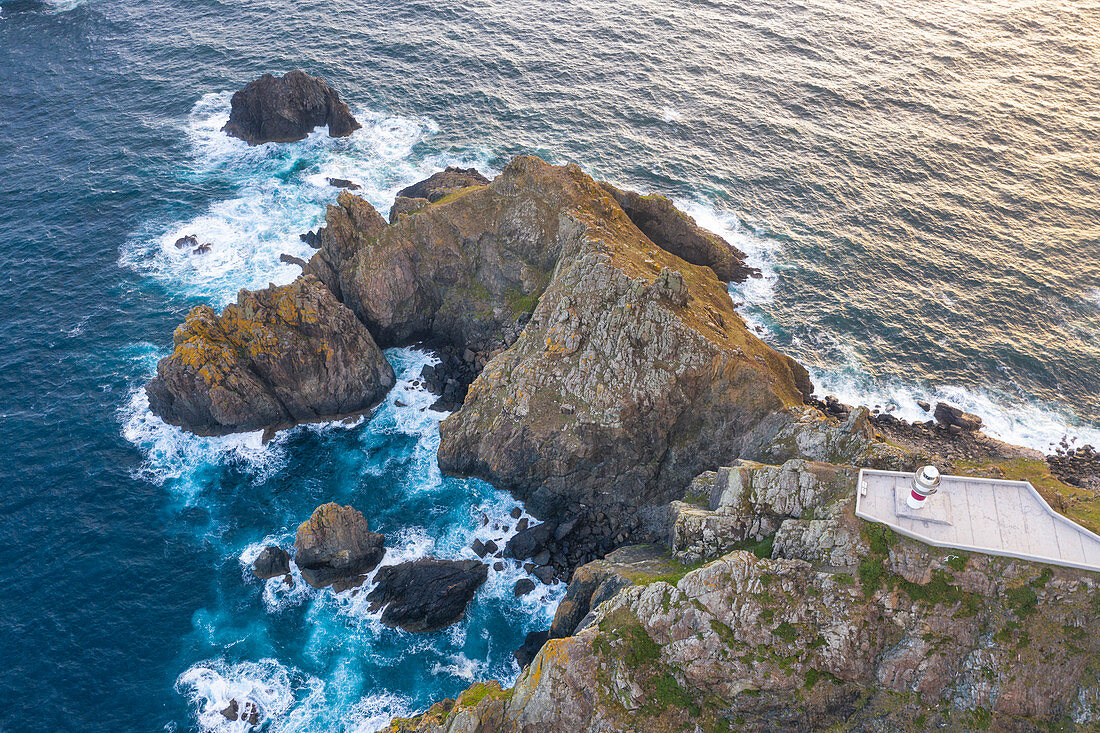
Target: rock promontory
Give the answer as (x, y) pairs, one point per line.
(286, 109)
(279, 356)
(336, 547)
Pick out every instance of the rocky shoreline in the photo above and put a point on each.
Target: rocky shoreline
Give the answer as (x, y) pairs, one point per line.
(692, 492)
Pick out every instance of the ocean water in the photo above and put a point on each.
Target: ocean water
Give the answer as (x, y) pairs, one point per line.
(919, 185)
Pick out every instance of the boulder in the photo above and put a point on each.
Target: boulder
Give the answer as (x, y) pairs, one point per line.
(271, 563)
(336, 547)
(426, 595)
(444, 183)
(522, 587)
(598, 581)
(950, 416)
(285, 109)
(280, 356)
(530, 542)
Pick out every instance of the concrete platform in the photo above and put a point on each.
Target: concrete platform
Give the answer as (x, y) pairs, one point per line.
(994, 516)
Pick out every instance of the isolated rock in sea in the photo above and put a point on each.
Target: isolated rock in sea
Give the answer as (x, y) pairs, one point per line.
(444, 183)
(949, 415)
(336, 547)
(285, 109)
(279, 356)
(676, 232)
(426, 595)
(271, 563)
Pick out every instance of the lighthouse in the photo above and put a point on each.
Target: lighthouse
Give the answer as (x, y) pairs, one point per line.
(925, 482)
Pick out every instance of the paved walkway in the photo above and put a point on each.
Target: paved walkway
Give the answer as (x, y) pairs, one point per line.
(993, 516)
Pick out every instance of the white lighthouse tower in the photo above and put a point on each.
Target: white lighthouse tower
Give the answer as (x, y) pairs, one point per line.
(926, 482)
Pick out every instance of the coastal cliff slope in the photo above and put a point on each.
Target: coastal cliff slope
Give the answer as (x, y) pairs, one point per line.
(826, 622)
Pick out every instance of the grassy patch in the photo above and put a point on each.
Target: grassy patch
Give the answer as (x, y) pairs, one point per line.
(786, 632)
(957, 562)
(475, 694)
(634, 645)
(520, 303)
(457, 194)
(1023, 600)
(671, 572)
(665, 692)
(813, 676)
(941, 591)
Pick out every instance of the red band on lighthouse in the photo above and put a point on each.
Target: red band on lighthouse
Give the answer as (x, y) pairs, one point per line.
(918, 497)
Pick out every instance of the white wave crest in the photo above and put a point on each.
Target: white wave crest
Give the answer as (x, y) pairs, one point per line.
(173, 453)
(265, 686)
(761, 251)
(1029, 424)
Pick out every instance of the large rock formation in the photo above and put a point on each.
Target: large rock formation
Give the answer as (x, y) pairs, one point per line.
(634, 372)
(336, 547)
(426, 595)
(285, 109)
(614, 367)
(834, 624)
(279, 356)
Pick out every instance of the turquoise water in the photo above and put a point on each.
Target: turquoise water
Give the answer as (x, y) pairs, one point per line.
(918, 184)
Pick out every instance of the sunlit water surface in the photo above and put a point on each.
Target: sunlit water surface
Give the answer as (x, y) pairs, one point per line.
(919, 185)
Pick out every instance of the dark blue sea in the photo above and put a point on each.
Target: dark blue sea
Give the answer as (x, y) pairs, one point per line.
(919, 182)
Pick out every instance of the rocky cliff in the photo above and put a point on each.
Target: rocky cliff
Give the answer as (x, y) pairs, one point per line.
(613, 366)
(278, 356)
(825, 623)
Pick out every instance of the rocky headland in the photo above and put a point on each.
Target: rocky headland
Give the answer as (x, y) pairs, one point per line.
(772, 607)
(597, 370)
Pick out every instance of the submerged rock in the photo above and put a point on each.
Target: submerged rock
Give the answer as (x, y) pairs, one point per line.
(336, 547)
(279, 356)
(285, 109)
(426, 595)
(271, 563)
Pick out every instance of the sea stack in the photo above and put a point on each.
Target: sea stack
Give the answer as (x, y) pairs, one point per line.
(285, 109)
